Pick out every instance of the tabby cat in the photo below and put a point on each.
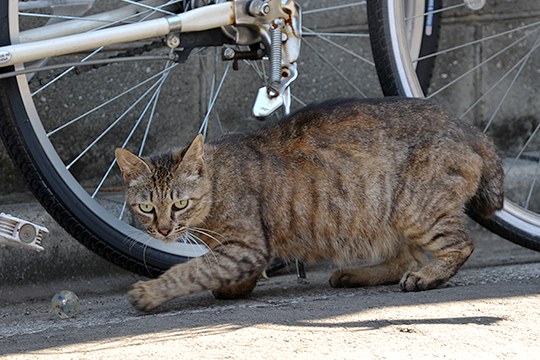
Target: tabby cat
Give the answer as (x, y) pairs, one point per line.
(382, 180)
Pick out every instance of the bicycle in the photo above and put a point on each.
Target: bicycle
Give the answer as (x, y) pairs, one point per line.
(35, 61)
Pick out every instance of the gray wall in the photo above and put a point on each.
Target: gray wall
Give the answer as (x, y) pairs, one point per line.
(184, 98)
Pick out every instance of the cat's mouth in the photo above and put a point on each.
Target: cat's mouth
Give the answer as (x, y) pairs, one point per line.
(177, 235)
(188, 234)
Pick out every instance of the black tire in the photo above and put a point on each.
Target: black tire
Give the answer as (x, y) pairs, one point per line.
(61, 203)
(75, 215)
(513, 223)
(383, 52)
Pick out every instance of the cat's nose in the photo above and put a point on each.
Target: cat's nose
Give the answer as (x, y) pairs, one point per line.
(165, 231)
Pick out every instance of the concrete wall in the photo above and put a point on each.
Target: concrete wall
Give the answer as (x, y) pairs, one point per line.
(184, 99)
(185, 96)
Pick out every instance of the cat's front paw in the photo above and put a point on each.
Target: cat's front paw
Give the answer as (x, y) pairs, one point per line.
(143, 297)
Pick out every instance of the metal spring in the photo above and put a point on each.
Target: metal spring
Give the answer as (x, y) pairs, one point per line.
(275, 55)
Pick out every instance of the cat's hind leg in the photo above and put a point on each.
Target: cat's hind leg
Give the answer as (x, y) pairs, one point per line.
(236, 291)
(390, 271)
(450, 245)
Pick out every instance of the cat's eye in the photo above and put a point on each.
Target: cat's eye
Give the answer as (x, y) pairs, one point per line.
(146, 208)
(180, 204)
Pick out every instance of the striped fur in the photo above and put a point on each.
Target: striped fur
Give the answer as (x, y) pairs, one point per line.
(379, 180)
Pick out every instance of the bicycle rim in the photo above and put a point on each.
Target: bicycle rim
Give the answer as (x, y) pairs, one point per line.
(485, 73)
(62, 124)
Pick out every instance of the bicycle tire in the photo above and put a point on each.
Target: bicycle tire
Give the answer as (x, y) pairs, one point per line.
(50, 190)
(104, 236)
(61, 193)
(393, 65)
(382, 49)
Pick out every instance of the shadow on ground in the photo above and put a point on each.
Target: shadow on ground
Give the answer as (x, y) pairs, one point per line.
(278, 302)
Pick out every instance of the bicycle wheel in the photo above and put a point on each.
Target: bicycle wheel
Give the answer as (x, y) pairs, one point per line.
(62, 124)
(486, 72)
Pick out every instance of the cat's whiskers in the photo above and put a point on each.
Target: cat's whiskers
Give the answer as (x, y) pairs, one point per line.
(130, 240)
(195, 239)
(192, 239)
(132, 235)
(145, 246)
(206, 232)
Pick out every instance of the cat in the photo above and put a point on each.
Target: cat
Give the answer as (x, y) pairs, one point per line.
(386, 180)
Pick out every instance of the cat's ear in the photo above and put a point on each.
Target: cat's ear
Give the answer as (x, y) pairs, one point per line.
(195, 151)
(193, 159)
(131, 165)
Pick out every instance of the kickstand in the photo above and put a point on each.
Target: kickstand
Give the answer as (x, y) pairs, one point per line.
(301, 273)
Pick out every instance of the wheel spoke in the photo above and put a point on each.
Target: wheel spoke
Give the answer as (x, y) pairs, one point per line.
(334, 67)
(204, 126)
(41, 4)
(78, 118)
(533, 184)
(141, 148)
(212, 84)
(335, 34)
(491, 37)
(148, 7)
(520, 63)
(495, 55)
(260, 71)
(66, 17)
(86, 58)
(113, 124)
(523, 63)
(343, 48)
(522, 150)
(298, 100)
(65, 72)
(493, 87)
(435, 11)
(31, 70)
(83, 62)
(153, 100)
(332, 8)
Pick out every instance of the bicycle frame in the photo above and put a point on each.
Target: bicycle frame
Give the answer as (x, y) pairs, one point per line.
(276, 21)
(200, 19)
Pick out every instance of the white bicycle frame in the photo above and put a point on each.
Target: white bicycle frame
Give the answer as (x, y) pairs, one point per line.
(274, 20)
(60, 39)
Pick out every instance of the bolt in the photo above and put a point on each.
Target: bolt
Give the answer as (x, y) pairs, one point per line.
(259, 8)
(228, 53)
(173, 41)
(278, 23)
(272, 92)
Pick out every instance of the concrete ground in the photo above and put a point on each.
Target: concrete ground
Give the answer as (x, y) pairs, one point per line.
(490, 309)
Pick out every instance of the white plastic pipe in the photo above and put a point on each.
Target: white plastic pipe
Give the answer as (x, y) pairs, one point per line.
(204, 18)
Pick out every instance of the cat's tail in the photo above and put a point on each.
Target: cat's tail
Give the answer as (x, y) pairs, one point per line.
(489, 196)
